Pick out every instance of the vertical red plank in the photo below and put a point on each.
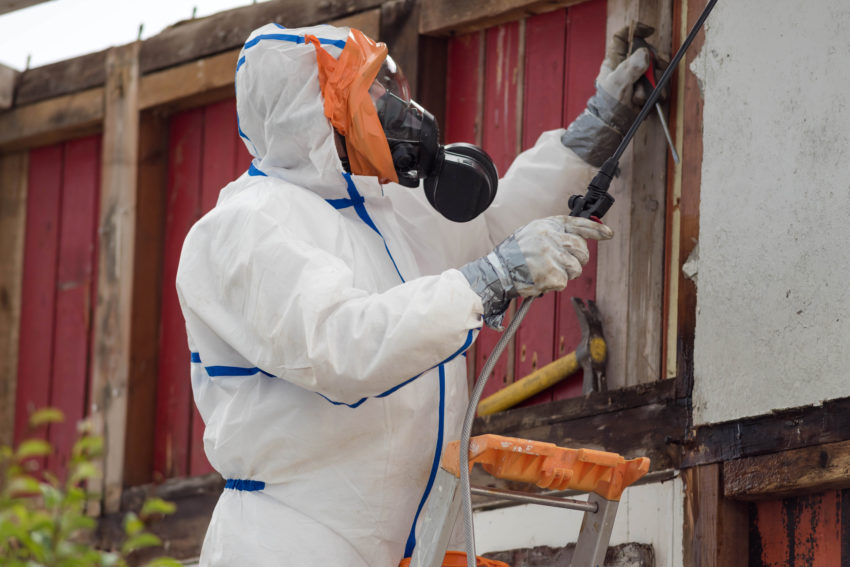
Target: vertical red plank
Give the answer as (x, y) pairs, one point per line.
(174, 397)
(74, 282)
(804, 530)
(584, 51)
(501, 70)
(220, 145)
(38, 292)
(542, 106)
(499, 139)
(462, 87)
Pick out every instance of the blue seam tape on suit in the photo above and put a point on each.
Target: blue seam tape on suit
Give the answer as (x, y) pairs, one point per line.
(411, 539)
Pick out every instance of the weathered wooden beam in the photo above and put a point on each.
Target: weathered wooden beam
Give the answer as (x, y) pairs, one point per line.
(594, 403)
(113, 310)
(8, 82)
(186, 41)
(13, 205)
(189, 80)
(50, 121)
(630, 272)
(399, 30)
(443, 17)
(150, 220)
(789, 473)
(716, 528)
(784, 430)
(7, 6)
(63, 77)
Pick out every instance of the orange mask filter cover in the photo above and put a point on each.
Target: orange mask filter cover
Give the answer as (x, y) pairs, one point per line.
(345, 84)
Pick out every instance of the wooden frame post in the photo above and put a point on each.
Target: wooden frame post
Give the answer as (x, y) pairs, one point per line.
(13, 215)
(113, 311)
(716, 528)
(631, 306)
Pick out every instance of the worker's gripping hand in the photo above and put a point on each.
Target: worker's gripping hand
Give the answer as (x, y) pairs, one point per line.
(540, 257)
(620, 71)
(597, 131)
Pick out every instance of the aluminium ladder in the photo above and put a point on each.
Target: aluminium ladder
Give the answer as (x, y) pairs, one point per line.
(603, 475)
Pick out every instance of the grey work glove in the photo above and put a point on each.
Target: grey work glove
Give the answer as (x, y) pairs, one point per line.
(597, 132)
(541, 256)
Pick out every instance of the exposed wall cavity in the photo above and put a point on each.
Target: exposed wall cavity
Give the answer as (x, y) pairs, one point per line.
(773, 323)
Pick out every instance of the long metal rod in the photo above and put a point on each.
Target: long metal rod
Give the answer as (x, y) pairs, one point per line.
(530, 498)
(662, 82)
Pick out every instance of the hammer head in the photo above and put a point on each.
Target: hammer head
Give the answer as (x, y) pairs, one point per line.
(592, 351)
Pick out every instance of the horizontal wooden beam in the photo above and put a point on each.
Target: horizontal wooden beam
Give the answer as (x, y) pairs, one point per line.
(7, 6)
(51, 121)
(784, 430)
(643, 421)
(444, 17)
(594, 403)
(789, 473)
(183, 42)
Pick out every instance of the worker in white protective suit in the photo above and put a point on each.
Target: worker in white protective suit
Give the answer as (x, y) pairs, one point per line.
(328, 308)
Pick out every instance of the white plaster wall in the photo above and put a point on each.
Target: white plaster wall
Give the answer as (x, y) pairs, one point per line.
(650, 514)
(773, 322)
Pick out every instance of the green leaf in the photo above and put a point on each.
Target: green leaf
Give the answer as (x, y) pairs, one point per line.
(88, 446)
(33, 448)
(140, 541)
(24, 484)
(132, 524)
(83, 471)
(157, 506)
(163, 562)
(46, 415)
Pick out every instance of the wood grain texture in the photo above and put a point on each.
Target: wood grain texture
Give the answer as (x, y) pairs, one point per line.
(631, 266)
(13, 213)
(51, 121)
(116, 229)
(788, 473)
(715, 528)
(784, 430)
(150, 215)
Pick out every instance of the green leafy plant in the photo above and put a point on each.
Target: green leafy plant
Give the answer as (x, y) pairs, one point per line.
(43, 521)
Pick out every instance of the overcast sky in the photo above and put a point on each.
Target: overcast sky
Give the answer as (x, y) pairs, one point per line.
(60, 29)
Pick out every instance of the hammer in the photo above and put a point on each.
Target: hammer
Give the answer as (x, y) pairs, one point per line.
(590, 356)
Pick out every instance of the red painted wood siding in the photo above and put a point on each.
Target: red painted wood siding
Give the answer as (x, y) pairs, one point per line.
(533, 80)
(805, 531)
(205, 154)
(58, 290)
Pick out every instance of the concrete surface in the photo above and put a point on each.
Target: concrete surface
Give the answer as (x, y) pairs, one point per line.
(773, 323)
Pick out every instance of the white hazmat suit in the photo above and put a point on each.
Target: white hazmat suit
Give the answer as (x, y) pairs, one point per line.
(327, 325)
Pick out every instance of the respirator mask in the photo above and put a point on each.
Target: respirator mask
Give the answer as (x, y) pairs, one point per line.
(460, 180)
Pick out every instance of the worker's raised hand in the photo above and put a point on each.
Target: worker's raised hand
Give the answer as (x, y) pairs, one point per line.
(619, 70)
(597, 131)
(541, 256)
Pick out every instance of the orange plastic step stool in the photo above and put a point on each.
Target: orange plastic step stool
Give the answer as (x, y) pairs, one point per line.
(602, 474)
